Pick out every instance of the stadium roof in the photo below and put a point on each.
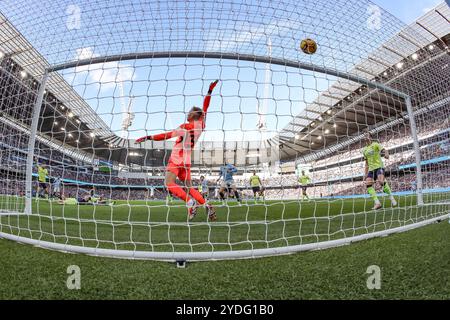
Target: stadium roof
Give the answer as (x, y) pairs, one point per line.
(14, 45)
(353, 107)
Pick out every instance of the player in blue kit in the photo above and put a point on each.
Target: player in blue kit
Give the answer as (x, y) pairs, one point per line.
(226, 172)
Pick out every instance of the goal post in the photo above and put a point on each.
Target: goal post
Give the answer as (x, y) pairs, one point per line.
(302, 148)
(418, 160)
(31, 144)
(234, 254)
(260, 59)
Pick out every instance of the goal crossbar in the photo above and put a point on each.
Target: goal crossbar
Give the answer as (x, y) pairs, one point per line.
(267, 60)
(227, 56)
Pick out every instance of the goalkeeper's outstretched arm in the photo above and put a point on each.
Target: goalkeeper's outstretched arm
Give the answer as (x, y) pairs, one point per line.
(207, 99)
(157, 137)
(168, 135)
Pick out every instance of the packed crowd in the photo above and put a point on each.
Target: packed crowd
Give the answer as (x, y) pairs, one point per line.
(10, 185)
(14, 144)
(440, 178)
(97, 177)
(394, 137)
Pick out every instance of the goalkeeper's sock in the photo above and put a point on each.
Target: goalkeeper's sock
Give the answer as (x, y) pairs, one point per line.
(197, 196)
(178, 192)
(373, 193)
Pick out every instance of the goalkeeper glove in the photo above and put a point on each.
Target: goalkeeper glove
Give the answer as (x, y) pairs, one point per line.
(212, 86)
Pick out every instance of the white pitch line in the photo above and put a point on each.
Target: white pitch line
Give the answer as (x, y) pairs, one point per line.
(9, 213)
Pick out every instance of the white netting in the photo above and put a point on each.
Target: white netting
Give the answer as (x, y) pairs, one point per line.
(109, 72)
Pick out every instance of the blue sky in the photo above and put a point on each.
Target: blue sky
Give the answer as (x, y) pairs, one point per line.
(165, 90)
(407, 10)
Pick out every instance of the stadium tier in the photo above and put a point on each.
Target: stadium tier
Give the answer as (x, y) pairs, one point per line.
(223, 138)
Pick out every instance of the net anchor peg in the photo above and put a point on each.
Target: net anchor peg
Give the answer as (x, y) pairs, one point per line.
(181, 264)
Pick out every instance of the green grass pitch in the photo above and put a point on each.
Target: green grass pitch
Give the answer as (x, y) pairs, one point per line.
(414, 264)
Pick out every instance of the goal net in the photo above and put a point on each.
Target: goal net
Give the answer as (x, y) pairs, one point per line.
(294, 150)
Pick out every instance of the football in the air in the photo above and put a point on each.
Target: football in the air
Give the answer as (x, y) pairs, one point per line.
(308, 46)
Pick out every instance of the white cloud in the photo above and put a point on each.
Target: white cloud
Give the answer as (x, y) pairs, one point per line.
(106, 79)
(107, 75)
(431, 5)
(248, 34)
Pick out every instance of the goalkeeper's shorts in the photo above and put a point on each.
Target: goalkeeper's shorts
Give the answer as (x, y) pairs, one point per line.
(182, 171)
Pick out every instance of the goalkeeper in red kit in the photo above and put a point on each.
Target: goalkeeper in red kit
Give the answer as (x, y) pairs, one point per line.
(179, 165)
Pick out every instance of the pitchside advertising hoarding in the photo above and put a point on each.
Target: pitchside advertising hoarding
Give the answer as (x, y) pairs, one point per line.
(103, 166)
